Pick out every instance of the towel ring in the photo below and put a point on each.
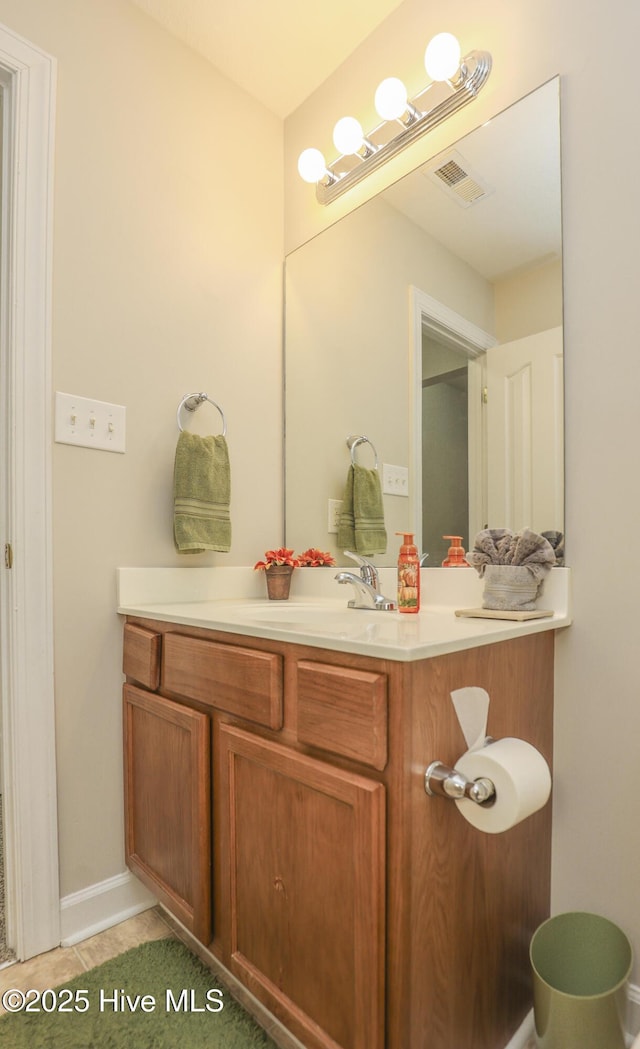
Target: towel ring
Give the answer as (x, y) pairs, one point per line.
(192, 401)
(353, 442)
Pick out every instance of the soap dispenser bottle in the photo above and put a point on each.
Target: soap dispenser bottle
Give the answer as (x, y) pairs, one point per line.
(408, 575)
(455, 555)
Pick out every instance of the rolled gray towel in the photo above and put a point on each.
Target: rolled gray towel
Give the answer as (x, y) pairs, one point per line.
(489, 548)
(501, 546)
(534, 552)
(557, 542)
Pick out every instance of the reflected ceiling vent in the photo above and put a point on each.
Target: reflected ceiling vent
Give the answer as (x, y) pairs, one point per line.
(452, 173)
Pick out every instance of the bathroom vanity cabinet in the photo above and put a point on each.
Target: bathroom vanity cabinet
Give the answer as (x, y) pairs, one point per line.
(275, 804)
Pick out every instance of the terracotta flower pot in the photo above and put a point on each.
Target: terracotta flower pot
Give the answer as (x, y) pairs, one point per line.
(278, 581)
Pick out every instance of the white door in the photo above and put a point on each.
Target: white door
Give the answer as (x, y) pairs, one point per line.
(27, 79)
(525, 457)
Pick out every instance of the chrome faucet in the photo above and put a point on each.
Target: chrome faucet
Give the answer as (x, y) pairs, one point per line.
(366, 586)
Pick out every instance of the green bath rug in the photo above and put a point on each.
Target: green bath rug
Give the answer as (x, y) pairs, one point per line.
(155, 996)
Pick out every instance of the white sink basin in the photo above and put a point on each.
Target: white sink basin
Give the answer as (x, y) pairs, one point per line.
(328, 612)
(328, 618)
(277, 609)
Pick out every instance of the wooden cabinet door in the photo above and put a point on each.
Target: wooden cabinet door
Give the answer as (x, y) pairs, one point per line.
(167, 777)
(305, 890)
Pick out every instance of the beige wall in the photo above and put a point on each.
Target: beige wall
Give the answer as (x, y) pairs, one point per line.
(596, 852)
(167, 279)
(529, 302)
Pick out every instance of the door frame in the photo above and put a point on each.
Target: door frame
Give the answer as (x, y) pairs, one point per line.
(428, 314)
(28, 77)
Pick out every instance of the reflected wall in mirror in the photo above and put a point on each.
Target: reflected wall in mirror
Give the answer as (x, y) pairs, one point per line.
(430, 320)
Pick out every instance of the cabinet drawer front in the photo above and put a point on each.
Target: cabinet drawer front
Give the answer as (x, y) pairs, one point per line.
(343, 711)
(141, 655)
(240, 681)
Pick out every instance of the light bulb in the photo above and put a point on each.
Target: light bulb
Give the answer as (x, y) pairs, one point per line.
(391, 99)
(311, 165)
(347, 135)
(442, 57)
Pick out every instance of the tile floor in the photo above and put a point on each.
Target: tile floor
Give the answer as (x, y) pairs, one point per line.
(55, 967)
(63, 963)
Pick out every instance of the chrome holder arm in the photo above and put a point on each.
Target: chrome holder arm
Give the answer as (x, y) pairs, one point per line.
(444, 782)
(192, 401)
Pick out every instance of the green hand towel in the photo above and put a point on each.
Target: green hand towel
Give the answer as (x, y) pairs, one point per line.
(201, 494)
(346, 539)
(361, 526)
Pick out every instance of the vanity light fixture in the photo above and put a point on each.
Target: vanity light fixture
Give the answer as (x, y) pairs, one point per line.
(454, 83)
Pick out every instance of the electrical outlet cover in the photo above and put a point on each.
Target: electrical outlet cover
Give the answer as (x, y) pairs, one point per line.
(334, 511)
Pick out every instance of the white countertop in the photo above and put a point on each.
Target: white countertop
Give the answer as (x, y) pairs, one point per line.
(233, 600)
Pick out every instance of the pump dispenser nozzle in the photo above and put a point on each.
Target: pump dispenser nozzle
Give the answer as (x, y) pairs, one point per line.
(455, 555)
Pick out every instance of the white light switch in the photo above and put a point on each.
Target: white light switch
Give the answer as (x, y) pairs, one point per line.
(91, 424)
(395, 480)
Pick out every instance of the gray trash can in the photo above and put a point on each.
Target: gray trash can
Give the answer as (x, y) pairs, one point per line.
(581, 963)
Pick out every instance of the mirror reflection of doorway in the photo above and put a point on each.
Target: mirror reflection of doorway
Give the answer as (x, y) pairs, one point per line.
(491, 436)
(524, 433)
(445, 447)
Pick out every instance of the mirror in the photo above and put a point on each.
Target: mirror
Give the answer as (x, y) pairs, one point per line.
(430, 321)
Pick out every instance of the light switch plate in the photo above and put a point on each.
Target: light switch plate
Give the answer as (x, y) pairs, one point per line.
(90, 424)
(395, 480)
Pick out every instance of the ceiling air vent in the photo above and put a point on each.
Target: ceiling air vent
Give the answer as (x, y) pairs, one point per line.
(452, 173)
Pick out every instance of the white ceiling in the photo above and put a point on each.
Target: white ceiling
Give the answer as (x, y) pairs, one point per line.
(279, 51)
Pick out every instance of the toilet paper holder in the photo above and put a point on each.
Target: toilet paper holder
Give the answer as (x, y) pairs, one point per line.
(442, 781)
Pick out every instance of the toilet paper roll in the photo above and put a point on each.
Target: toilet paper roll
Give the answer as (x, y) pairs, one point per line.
(521, 779)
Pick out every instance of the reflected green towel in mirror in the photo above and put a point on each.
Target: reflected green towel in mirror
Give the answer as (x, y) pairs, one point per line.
(201, 494)
(361, 527)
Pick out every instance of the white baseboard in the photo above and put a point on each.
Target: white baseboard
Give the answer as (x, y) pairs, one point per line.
(525, 1031)
(633, 1011)
(99, 906)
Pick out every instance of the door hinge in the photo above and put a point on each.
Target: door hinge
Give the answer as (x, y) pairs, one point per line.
(8, 555)
(485, 394)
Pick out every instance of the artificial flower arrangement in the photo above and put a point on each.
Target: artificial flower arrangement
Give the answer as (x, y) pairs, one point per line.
(279, 581)
(280, 557)
(311, 558)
